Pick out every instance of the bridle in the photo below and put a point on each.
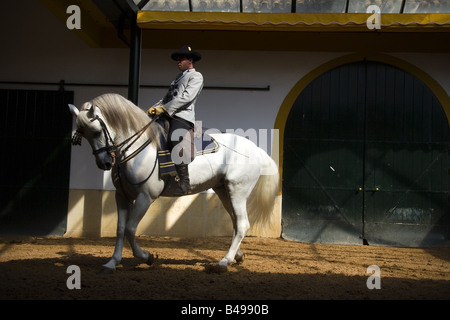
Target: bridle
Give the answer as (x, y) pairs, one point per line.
(110, 147)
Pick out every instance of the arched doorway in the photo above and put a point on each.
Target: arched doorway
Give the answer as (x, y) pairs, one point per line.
(366, 160)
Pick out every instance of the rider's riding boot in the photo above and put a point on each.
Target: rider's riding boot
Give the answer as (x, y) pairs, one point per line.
(184, 186)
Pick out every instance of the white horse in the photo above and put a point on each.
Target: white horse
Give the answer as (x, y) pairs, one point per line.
(123, 138)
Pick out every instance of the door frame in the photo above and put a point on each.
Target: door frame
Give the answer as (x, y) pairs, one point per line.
(33, 211)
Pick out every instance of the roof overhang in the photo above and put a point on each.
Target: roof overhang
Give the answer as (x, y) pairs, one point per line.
(321, 22)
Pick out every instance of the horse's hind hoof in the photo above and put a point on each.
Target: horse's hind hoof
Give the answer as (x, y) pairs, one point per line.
(151, 259)
(106, 271)
(240, 258)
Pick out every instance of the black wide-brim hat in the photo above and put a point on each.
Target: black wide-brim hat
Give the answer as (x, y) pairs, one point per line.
(187, 52)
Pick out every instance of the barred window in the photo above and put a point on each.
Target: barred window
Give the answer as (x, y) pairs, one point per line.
(386, 6)
(167, 5)
(216, 5)
(334, 6)
(427, 6)
(275, 6)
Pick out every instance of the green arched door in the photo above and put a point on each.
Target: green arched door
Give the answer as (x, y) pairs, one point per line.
(366, 158)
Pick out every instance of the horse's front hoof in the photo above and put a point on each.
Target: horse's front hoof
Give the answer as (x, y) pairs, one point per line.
(215, 268)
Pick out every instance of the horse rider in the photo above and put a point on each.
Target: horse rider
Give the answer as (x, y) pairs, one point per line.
(178, 106)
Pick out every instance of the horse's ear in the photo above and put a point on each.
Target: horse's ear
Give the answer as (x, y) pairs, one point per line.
(74, 110)
(93, 111)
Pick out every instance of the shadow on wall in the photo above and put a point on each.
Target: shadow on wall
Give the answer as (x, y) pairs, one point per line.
(93, 213)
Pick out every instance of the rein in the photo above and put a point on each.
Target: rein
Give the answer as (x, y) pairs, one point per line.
(136, 137)
(110, 146)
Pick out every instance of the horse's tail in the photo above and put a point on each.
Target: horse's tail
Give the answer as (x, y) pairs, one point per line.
(262, 199)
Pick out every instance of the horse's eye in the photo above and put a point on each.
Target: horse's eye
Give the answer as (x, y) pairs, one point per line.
(97, 134)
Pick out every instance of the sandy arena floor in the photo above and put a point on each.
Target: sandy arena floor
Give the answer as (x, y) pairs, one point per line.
(36, 268)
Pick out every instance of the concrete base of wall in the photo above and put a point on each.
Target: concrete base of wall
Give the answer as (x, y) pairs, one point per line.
(93, 213)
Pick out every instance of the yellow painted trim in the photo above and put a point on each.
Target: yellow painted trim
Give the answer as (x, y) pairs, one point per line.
(288, 102)
(289, 21)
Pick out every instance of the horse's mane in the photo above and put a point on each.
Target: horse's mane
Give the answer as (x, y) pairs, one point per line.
(123, 116)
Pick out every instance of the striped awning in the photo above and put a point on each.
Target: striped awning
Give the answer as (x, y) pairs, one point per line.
(172, 20)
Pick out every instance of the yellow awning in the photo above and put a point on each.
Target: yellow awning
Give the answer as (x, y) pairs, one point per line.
(434, 22)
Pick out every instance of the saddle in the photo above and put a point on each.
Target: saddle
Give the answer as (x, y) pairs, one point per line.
(204, 144)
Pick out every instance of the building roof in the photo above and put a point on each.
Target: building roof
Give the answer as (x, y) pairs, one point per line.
(291, 21)
(107, 23)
